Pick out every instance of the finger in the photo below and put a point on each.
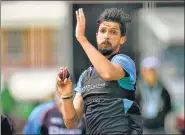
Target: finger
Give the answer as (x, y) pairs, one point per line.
(58, 78)
(61, 68)
(61, 71)
(77, 16)
(67, 81)
(65, 73)
(82, 12)
(61, 74)
(59, 81)
(82, 16)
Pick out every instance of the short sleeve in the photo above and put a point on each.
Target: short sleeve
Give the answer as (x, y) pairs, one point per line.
(79, 83)
(128, 66)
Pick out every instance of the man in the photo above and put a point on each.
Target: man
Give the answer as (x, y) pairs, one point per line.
(151, 95)
(46, 119)
(105, 91)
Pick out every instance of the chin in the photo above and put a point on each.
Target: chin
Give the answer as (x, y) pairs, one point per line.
(106, 52)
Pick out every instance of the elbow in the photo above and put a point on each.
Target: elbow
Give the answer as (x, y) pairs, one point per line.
(71, 124)
(106, 76)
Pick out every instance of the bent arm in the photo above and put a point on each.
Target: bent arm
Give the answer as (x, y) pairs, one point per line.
(106, 69)
(72, 111)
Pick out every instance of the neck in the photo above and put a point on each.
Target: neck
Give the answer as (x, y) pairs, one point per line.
(109, 56)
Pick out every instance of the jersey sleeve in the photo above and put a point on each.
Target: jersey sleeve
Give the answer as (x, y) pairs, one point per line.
(128, 66)
(79, 83)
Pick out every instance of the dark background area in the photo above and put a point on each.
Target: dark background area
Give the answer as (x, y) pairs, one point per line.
(92, 12)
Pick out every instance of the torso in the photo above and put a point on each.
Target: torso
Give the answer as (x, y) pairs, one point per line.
(104, 107)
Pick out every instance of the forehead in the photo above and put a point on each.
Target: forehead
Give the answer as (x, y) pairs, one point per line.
(107, 24)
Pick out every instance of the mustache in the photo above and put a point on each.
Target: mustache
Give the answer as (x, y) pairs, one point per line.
(106, 42)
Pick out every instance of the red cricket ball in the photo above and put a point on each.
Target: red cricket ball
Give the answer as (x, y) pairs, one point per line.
(64, 73)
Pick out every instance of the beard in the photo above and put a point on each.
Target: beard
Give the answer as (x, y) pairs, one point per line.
(107, 50)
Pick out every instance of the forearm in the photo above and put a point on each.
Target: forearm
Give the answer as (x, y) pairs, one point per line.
(102, 65)
(69, 113)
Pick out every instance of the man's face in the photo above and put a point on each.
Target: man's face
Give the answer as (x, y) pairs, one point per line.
(149, 75)
(109, 38)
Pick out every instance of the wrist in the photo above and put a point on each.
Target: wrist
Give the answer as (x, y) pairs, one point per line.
(67, 96)
(82, 39)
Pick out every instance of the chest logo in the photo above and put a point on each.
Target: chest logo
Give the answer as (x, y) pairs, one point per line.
(93, 86)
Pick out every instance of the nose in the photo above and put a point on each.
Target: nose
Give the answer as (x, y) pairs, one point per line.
(106, 36)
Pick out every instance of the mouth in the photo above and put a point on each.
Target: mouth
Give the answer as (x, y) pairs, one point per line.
(106, 44)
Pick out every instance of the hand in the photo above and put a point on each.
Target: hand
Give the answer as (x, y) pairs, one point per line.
(80, 27)
(64, 82)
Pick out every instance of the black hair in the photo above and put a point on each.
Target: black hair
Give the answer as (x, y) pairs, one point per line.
(115, 15)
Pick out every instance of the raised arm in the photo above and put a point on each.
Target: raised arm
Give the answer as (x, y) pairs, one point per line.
(106, 69)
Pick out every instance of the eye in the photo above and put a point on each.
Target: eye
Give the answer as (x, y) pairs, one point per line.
(114, 32)
(102, 30)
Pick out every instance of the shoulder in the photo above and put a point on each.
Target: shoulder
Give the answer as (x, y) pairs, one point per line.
(129, 67)
(82, 75)
(79, 83)
(122, 57)
(126, 62)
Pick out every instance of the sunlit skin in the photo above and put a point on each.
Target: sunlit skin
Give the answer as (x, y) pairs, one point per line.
(109, 37)
(149, 76)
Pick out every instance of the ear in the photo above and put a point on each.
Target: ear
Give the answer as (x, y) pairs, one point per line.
(96, 35)
(123, 40)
